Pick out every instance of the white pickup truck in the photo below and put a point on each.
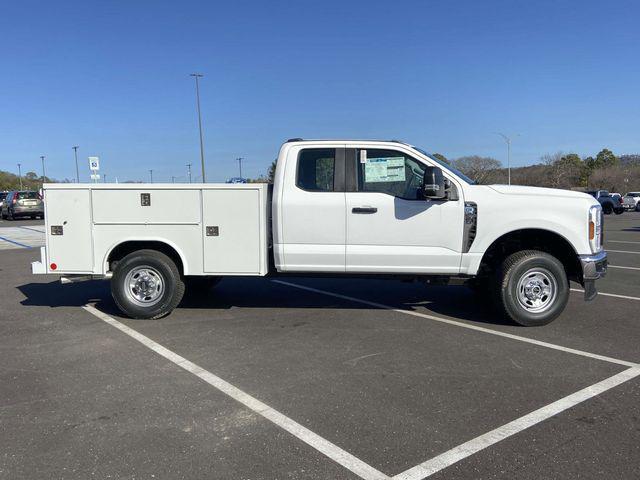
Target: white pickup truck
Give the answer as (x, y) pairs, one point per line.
(339, 208)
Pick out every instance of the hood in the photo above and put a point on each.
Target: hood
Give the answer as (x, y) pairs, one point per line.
(547, 192)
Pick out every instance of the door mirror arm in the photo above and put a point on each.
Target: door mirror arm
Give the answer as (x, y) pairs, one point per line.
(433, 184)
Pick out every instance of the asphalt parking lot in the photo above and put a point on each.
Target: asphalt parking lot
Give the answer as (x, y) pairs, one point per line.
(317, 378)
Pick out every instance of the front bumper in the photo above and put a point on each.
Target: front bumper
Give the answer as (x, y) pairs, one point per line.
(594, 266)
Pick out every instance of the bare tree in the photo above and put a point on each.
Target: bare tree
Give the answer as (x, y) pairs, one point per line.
(481, 169)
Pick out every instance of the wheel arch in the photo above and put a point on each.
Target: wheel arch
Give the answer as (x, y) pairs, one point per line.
(123, 248)
(541, 239)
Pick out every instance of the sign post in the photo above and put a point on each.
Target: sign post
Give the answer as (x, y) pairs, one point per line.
(94, 166)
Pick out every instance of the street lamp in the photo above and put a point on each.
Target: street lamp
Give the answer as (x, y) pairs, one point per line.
(20, 175)
(75, 152)
(239, 159)
(508, 141)
(198, 76)
(43, 174)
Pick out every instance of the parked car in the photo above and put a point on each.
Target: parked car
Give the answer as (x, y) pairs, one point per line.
(631, 201)
(618, 207)
(336, 207)
(22, 204)
(3, 195)
(237, 180)
(604, 198)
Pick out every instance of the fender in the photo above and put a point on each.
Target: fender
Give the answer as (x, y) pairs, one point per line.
(185, 265)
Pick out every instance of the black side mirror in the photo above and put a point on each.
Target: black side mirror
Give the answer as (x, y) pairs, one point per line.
(433, 184)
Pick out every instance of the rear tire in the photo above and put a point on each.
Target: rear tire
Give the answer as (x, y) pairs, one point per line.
(607, 209)
(147, 285)
(533, 288)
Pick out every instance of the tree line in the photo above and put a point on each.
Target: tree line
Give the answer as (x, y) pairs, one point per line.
(604, 171)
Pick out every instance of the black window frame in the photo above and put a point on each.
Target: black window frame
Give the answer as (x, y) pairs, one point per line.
(338, 170)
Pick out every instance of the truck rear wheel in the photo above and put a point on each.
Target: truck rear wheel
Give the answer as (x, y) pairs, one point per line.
(534, 288)
(146, 284)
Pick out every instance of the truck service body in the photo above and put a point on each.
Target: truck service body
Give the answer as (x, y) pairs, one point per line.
(336, 207)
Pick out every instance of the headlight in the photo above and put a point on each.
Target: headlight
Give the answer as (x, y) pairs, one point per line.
(595, 228)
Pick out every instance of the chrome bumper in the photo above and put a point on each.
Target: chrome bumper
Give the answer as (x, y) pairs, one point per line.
(593, 267)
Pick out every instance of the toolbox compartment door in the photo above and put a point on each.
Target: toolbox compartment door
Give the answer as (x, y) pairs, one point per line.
(68, 223)
(233, 241)
(146, 206)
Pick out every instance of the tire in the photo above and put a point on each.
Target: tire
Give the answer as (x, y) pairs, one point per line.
(607, 209)
(524, 278)
(197, 285)
(151, 269)
(618, 211)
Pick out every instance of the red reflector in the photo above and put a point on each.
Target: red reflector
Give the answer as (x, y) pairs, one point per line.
(53, 266)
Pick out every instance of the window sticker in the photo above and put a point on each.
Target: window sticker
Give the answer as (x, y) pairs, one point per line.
(387, 169)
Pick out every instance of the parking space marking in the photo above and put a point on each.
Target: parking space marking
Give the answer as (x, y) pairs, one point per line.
(626, 268)
(33, 229)
(466, 325)
(14, 242)
(626, 297)
(473, 446)
(622, 251)
(621, 241)
(335, 453)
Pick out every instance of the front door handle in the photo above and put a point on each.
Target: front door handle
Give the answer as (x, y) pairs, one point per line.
(364, 210)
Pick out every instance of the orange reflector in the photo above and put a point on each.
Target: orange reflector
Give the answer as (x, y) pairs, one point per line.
(592, 230)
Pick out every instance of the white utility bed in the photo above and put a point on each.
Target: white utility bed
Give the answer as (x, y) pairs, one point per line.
(216, 229)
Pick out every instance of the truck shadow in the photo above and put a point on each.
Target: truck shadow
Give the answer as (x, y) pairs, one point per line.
(456, 303)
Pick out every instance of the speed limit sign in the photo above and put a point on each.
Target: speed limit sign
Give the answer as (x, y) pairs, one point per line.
(94, 163)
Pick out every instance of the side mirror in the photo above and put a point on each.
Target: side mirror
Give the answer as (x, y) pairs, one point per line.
(433, 184)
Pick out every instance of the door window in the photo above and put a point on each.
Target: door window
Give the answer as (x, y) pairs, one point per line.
(316, 169)
(390, 172)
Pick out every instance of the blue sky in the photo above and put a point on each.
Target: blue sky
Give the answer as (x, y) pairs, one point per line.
(113, 78)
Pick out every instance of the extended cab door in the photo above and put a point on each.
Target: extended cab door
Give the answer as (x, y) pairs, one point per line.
(312, 210)
(390, 227)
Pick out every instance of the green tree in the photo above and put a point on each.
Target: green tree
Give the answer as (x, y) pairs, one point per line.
(271, 173)
(606, 158)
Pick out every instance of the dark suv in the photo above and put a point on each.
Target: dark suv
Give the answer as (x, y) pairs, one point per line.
(609, 205)
(22, 204)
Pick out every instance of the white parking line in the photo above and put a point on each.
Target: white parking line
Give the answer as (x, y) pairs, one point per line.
(335, 453)
(622, 251)
(621, 241)
(473, 446)
(465, 325)
(626, 268)
(626, 297)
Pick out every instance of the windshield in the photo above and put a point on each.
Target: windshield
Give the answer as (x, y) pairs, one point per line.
(633, 194)
(446, 166)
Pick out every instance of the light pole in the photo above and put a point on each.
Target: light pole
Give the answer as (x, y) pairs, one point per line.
(43, 174)
(151, 175)
(189, 171)
(75, 153)
(173, 179)
(20, 175)
(198, 76)
(239, 159)
(508, 141)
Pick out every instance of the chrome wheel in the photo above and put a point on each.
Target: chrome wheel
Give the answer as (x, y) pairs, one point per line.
(537, 290)
(144, 286)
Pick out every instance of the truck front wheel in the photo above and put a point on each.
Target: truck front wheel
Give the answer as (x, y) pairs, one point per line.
(146, 284)
(534, 288)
